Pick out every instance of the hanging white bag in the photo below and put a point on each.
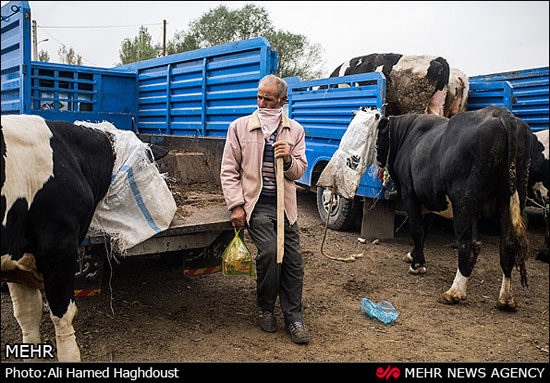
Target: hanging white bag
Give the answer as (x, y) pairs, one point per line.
(138, 204)
(354, 154)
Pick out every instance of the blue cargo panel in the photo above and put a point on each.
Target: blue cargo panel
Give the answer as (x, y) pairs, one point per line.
(59, 91)
(73, 92)
(199, 93)
(487, 93)
(325, 111)
(530, 94)
(16, 54)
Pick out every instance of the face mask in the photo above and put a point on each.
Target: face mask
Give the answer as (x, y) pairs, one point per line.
(270, 120)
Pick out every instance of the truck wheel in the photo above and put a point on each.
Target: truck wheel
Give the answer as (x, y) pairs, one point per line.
(344, 211)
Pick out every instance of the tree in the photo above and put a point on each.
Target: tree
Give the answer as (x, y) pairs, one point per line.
(182, 42)
(221, 25)
(140, 48)
(43, 56)
(296, 55)
(67, 55)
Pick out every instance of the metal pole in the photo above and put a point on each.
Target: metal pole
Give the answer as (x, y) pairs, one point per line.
(164, 39)
(34, 41)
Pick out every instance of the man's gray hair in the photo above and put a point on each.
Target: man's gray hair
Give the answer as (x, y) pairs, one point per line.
(281, 84)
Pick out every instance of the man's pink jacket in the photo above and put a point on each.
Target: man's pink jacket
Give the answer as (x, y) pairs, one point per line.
(241, 169)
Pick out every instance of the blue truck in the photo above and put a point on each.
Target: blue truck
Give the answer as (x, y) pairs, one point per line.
(186, 102)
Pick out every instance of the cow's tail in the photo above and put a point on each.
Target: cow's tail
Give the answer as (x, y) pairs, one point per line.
(519, 226)
(520, 231)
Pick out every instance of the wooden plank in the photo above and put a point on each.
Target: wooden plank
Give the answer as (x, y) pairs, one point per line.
(280, 210)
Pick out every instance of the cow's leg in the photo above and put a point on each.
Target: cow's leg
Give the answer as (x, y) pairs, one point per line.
(508, 250)
(418, 265)
(27, 309)
(427, 220)
(59, 287)
(67, 349)
(468, 251)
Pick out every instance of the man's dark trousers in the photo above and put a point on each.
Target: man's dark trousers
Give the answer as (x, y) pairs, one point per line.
(286, 279)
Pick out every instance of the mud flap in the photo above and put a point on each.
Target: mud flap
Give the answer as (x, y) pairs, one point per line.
(208, 259)
(89, 270)
(378, 219)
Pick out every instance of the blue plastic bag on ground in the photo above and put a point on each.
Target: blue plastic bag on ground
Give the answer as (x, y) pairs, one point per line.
(383, 310)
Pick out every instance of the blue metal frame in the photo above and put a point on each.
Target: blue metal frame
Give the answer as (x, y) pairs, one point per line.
(530, 94)
(483, 94)
(199, 93)
(325, 113)
(72, 92)
(15, 57)
(58, 91)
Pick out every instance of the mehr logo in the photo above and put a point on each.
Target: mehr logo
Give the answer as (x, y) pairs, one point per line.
(388, 373)
(29, 351)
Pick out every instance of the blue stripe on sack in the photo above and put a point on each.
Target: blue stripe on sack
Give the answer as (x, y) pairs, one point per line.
(139, 199)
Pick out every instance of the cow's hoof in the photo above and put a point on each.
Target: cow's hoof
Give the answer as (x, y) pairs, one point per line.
(510, 306)
(449, 298)
(408, 258)
(418, 270)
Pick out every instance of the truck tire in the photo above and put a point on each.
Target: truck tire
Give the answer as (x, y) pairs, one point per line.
(344, 211)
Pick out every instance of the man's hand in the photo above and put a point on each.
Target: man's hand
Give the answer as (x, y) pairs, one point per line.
(282, 149)
(238, 217)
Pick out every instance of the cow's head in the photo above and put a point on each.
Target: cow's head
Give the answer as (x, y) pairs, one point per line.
(383, 142)
(157, 152)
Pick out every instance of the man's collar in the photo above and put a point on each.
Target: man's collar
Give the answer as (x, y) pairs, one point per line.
(254, 121)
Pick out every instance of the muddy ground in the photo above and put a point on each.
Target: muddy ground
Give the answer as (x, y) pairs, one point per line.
(160, 315)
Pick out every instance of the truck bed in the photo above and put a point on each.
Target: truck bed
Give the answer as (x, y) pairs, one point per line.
(200, 209)
(198, 203)
(200, 231)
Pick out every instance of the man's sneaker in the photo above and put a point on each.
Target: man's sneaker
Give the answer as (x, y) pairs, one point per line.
(298, 332)
(267, 320)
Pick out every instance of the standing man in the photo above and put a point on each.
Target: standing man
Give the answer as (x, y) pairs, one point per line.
(248, 182)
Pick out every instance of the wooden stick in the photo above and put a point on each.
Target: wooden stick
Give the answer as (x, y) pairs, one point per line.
(279, 176)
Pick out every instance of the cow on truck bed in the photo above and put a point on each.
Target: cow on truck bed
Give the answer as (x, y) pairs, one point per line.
(53, 175)
(415, 84)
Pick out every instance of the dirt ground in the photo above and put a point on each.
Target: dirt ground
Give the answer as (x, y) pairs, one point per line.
(161, 315)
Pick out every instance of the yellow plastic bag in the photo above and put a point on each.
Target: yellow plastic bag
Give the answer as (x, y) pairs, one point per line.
(236, 259)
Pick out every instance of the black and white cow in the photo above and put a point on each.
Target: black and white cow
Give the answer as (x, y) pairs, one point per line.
(459, 164)
(414, 84)
(53, 174)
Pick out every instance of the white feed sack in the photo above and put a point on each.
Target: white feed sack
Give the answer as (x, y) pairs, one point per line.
(138, 204)
(354, 154)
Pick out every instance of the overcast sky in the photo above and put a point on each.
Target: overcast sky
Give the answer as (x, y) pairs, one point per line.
(476, 37)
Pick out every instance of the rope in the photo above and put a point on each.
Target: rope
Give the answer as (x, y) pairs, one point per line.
(352, 257)
(536, 203)
(386, 181)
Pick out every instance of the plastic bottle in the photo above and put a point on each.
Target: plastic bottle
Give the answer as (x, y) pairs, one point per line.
(383, 310)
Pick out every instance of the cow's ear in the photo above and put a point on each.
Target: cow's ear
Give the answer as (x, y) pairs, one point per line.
(158, 152)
